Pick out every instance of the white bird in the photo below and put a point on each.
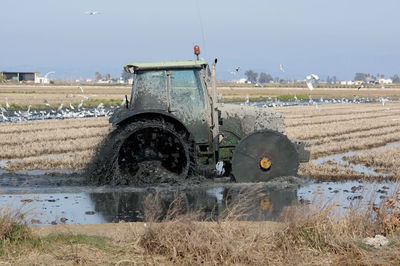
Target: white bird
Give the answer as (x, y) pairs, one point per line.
(100, 105)
(123, 102)
(318, 108)
(59, 108)
(82, 89)
(310, 79)
(247, 100)
(46, 103)
(4, 117)
(7, 105)
(281, 68)
(91, 13)
(46, 76)
(71, 106)
(27, 113)
(80, 105)
(383, 101)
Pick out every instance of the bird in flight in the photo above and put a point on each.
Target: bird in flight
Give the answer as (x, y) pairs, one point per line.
(281, 68)
(361, 86)
(310, 79)
(237, 68)
(91, 13)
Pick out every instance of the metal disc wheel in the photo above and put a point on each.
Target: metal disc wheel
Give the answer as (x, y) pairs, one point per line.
(263, 155)
(152, 152)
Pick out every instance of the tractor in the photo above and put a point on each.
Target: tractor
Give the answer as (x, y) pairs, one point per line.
(173, 127)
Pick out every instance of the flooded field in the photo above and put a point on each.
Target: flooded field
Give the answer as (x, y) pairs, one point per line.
(42, 160)
(48, 200)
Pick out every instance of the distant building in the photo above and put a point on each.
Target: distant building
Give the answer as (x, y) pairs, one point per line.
(385, 81)
(240, 81)
(22, 77)
(347, 82)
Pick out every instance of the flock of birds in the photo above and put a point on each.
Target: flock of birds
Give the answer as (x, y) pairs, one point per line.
(61, 112)
(275, 102)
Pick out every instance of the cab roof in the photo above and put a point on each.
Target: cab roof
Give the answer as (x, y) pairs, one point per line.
(190, 64)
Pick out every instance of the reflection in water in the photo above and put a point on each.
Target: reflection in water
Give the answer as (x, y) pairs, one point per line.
(93, 204)
(253, 203)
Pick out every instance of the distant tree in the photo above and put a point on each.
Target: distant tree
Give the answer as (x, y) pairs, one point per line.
(264, 78)
(97, 76)
(360, 77)
(396, 79)
(107, 77)
(251, 76)
(334, 79)
(328, 80)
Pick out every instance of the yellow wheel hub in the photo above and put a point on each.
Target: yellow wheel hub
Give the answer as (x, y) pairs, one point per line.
(265, 163)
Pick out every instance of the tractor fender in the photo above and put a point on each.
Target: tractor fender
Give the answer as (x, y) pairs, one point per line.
(123, 116)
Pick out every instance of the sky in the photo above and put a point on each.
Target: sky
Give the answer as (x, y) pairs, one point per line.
(335, 38)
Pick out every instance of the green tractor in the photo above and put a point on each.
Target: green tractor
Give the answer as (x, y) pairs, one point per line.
(173, 127)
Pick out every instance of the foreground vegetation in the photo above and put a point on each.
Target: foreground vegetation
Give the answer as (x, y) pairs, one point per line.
(305, 235)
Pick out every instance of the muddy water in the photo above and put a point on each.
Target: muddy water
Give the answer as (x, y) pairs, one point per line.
(359, 168)
(63, 199)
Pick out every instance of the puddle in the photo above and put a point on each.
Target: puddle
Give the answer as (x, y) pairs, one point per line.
(93, 205)
(346, 194)
(46, 203)
(359, 168)
(3, 163)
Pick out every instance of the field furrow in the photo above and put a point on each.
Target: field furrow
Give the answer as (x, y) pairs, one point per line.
(55, 134)
(339, 118)
(49, 147)
(354, 144)
(311, 132)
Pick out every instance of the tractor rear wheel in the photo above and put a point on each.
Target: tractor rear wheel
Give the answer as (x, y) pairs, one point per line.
(264, 155)
(147, 151)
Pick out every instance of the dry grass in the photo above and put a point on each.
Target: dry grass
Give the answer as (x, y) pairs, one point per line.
(386, 161)
(307, 235)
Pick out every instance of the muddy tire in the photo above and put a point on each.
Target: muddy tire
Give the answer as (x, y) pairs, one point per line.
(143, 152)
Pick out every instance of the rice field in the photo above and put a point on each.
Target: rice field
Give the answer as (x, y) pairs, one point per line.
(21, 96)
(335, 129)
(338, 129)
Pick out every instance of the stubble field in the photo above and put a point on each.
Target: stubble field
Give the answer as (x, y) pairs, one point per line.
(330, 129)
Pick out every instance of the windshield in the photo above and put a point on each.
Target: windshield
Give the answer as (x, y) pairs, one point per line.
(153, 80)
(186, 88)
